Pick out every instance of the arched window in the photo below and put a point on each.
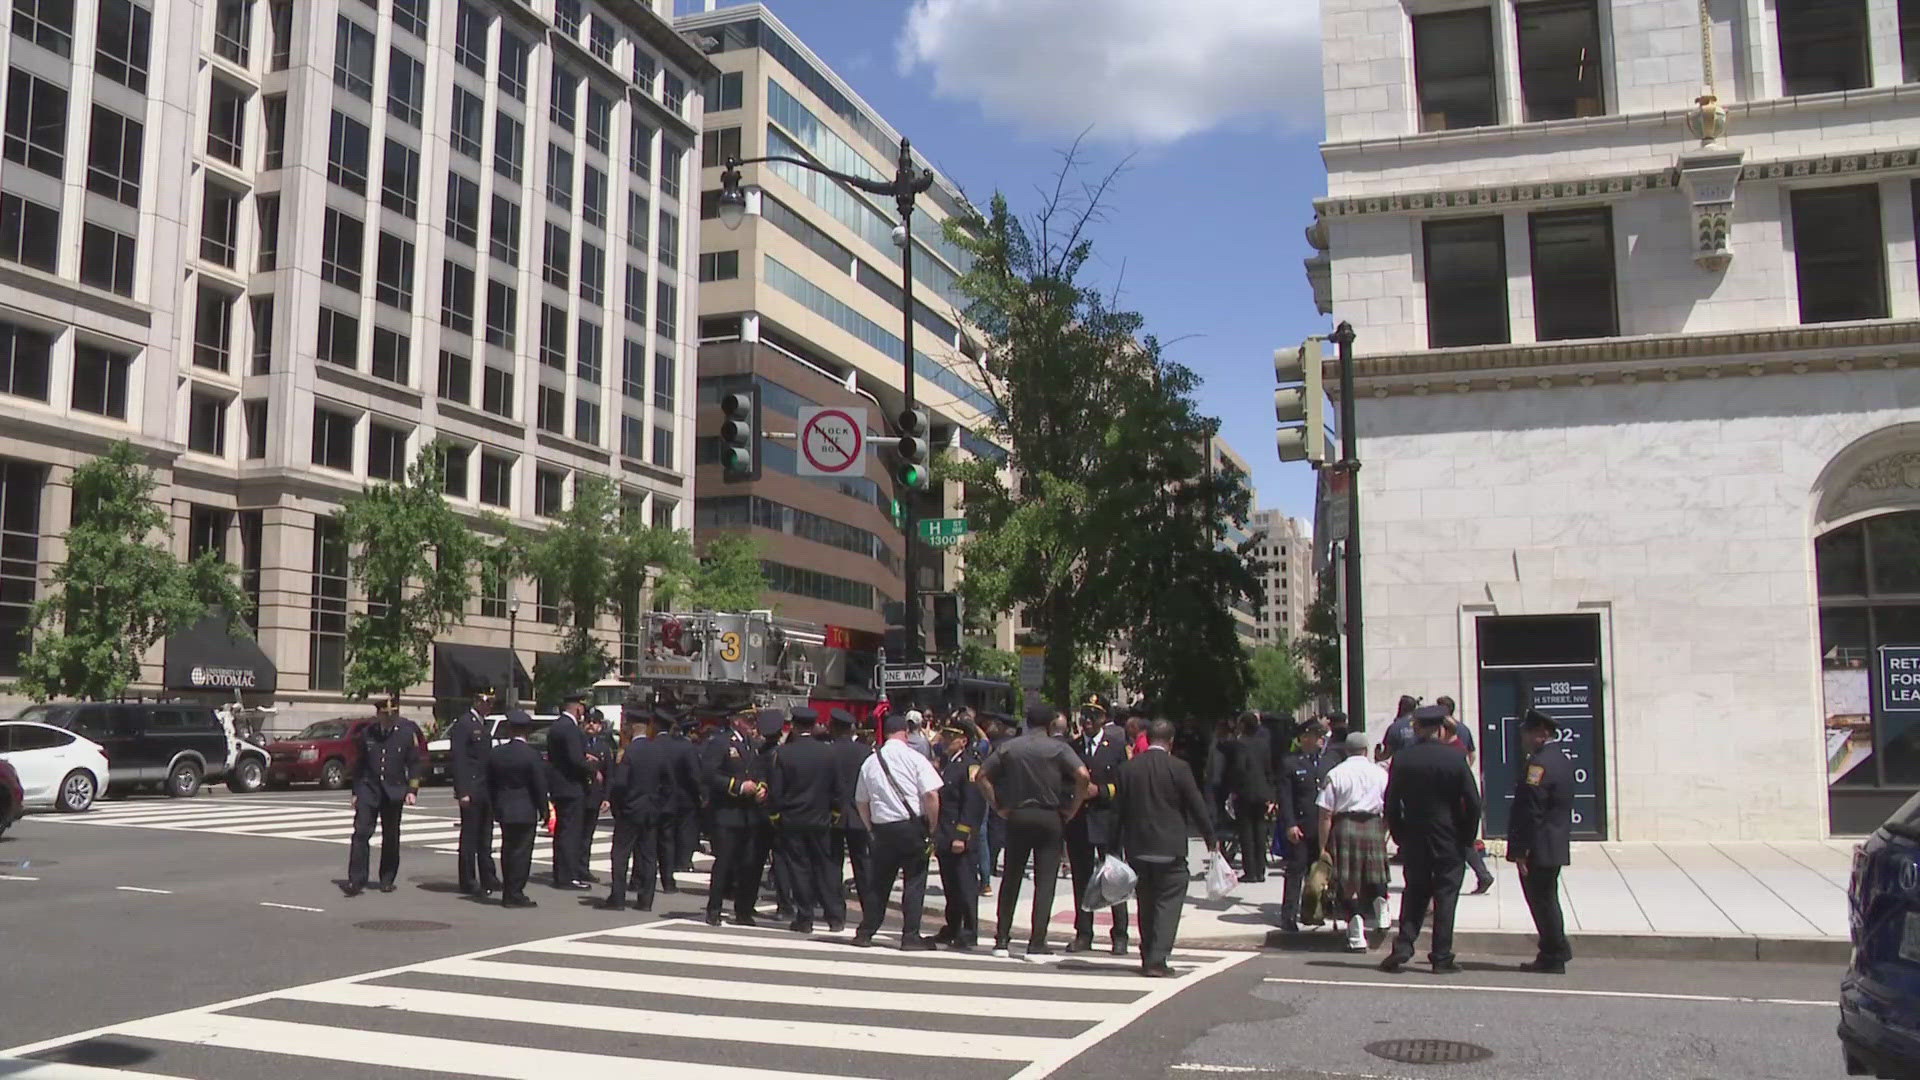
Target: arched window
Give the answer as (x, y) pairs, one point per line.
(1869, 583)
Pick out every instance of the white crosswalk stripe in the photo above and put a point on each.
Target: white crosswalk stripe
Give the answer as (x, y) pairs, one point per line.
(671, 998)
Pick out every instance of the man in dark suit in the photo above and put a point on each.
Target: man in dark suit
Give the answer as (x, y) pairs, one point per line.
(684, 803)
(1540, 837)
(1249, 783)
(517, 781)
(727, 761)
(569, 775)
(1159, 808)
(600, 751)
(471, 741)
(1110, 749)
(1302, 774)
(641, 795)
(850, 837)
(803, 788)
(1433, 812)
(961, 806)
(770, 725)
(385, 782)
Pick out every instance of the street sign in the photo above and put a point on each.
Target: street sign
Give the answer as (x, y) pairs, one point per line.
(833, 441)
(927, 676)
(943, 528)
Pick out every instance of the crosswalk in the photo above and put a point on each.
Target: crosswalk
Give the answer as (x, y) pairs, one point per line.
(671, 998)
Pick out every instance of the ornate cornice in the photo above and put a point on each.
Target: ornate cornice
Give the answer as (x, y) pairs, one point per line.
(1796, 350)
(1611, 185)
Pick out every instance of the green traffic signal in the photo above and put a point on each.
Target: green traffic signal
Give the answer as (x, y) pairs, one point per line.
(913, 476)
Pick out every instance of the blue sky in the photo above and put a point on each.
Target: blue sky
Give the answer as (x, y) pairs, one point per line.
(1214, 103)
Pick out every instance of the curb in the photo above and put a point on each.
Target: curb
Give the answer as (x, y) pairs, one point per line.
(1728, 947)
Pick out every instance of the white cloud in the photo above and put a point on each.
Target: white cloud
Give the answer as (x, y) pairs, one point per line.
(1150, 70)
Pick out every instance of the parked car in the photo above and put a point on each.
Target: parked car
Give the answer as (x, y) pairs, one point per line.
(174, 746)
(325, 752)
(13, 801)
(440, 751)
(55, 768)
(1880, 994)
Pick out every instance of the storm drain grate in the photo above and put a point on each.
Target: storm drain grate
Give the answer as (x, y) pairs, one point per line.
(1428, 1051)
(401, 926)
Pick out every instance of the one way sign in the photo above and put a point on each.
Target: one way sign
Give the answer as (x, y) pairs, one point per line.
(924, 676)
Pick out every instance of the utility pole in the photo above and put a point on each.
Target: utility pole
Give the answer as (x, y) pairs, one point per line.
(909, 512)
(1350, 464)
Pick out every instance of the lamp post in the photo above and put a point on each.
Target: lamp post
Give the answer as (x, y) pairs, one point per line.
(904, 188)
(513, 655)
(1350, 550)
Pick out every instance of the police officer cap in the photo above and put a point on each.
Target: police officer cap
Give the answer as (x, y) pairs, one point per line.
(487, 692)
(1537, 719)
(840, 717)
(579, 697)
(769, 722)
(520, 720)
(804, 716)
(387, 701)
(1430, 715)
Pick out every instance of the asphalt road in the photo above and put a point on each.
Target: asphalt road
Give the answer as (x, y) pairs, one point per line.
(141, 929)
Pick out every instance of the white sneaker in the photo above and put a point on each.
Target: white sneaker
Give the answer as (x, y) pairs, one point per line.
(1002, 953)
(1356, 936)
(1380, 916)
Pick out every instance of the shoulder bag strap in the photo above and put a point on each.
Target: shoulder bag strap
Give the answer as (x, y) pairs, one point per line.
(913, 807)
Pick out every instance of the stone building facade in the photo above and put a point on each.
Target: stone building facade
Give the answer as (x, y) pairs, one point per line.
(1284, 547)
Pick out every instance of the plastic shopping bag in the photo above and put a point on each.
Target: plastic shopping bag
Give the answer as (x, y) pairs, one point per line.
(1111, 884)
(1221, 878)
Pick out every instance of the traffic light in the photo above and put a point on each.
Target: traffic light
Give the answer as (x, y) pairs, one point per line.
(1300, 409)
(914, 446)
(946, 622)
(740, 434)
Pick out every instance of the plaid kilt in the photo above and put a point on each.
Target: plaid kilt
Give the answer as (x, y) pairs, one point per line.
(1358, 850)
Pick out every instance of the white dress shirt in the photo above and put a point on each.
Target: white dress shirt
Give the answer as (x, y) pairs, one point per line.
(914, 774)
(1355, 786)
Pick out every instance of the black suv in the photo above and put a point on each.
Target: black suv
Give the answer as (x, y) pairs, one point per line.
(170, 745)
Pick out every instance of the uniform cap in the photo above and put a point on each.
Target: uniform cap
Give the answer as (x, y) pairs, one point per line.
(486, 691)
(1430, 715)
(804, 716)
(1537, 719)
(769, 722)
(840, 716)
(1095, 704)
(520, 719)
(582, 697)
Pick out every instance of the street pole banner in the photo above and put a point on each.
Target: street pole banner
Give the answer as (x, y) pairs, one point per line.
(833, 441)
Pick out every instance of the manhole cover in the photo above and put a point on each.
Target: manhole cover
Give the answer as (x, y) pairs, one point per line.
(401, 926)
(1428, 1051)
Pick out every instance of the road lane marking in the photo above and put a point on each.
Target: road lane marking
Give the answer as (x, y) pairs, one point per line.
(17, 877)
(1556, 992)
(289, 907)
(138, 889)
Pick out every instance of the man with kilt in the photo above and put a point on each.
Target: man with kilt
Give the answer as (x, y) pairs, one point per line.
(1353, 836)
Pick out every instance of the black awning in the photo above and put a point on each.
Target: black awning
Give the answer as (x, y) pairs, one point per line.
(210, 656)
(460, 671)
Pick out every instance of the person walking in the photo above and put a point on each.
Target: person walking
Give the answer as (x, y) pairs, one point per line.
(954, 841)
(600, 753)
(386, 781)
(1460, 737)
(734, 795)
(1249, 781)
(1037, 784)
(1432, 809)
(1159, 807)
(898, 796)
(569, 775)
(641, 795)
(517, 782)
(470, 740)
(1353, 837)
(850, 836)
(1302, 775)
(803, 787)
(1540, 835)
(1112, 747)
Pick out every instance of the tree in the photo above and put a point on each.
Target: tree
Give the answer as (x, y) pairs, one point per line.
(1278, 684)
(728, 576)
(413, 557)
(120, 589)
(1319, 644)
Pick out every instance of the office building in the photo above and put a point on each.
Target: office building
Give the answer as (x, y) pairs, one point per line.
(1284, 549)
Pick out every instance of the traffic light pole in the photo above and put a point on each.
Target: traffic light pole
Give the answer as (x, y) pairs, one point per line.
(909, 513)
(1350, 464)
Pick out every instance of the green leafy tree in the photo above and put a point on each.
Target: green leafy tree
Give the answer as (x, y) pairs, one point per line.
(120, 589)
(1278, 683)
(1318, 646)
(728, 576)
(414, 558)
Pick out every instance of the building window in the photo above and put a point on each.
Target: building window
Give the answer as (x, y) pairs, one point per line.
(106, 259)
(663, 381)
(212, 329)
(590, 366)
(717, 146)
(469, 118)
(673, 93)
(393, 272)
(669, 240)
(509, 135)
(392, 356)
(36, 125)
(226, 122)
(550, 410)
(1869, 586)
(549, 492)
(456, 297)
(453, 468)
(339, 338)
(1466, 271)
(719, 265)
(586, 421)
(273, 119)
(600, 38)
(386, 452)
(456, 377)
(566, 16)
(406, 86)
(29, 233)
(513, 66)
(220, 224)
(232, 29)
(565, 88)
(342, 249)
(260, 312)
(496, 391)
(470, 38)
(207, 532)
(100, 381)
(663, 510)
(1573, 274)
(593, 197)
(353, 58)
(113, 156)
(817, 585)
(726, 92)
(633, 371)
(207, 424)
(411, 16)
(1560, 58)
(638, 221)
(47, 23)
(593, 274)
(400, 180)
(280, 34)
(599, 121)
(496, 479)
(1453, 65)
(644, 70)
(663, 445)
(463, 210)
(553, 337)
(640, 150)
(333, 439)
(503, 231)
(633, 437)
(121, 52)
(557, 258)
(266, 216)
(1823, 46)
(503, 313)
(559, 177)
(1839, 254)
(666, 310)
(26, 358)
(20, 486)
(254, 415)
(327, 628)
(671, 157)
(636, 299)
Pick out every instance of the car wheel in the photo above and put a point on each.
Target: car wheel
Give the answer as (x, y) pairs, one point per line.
(248, 776)
(77, 792)
(333, 775)
(184, 781)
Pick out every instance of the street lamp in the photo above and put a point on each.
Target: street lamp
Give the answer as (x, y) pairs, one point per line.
(907, 184)
(513, 655)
